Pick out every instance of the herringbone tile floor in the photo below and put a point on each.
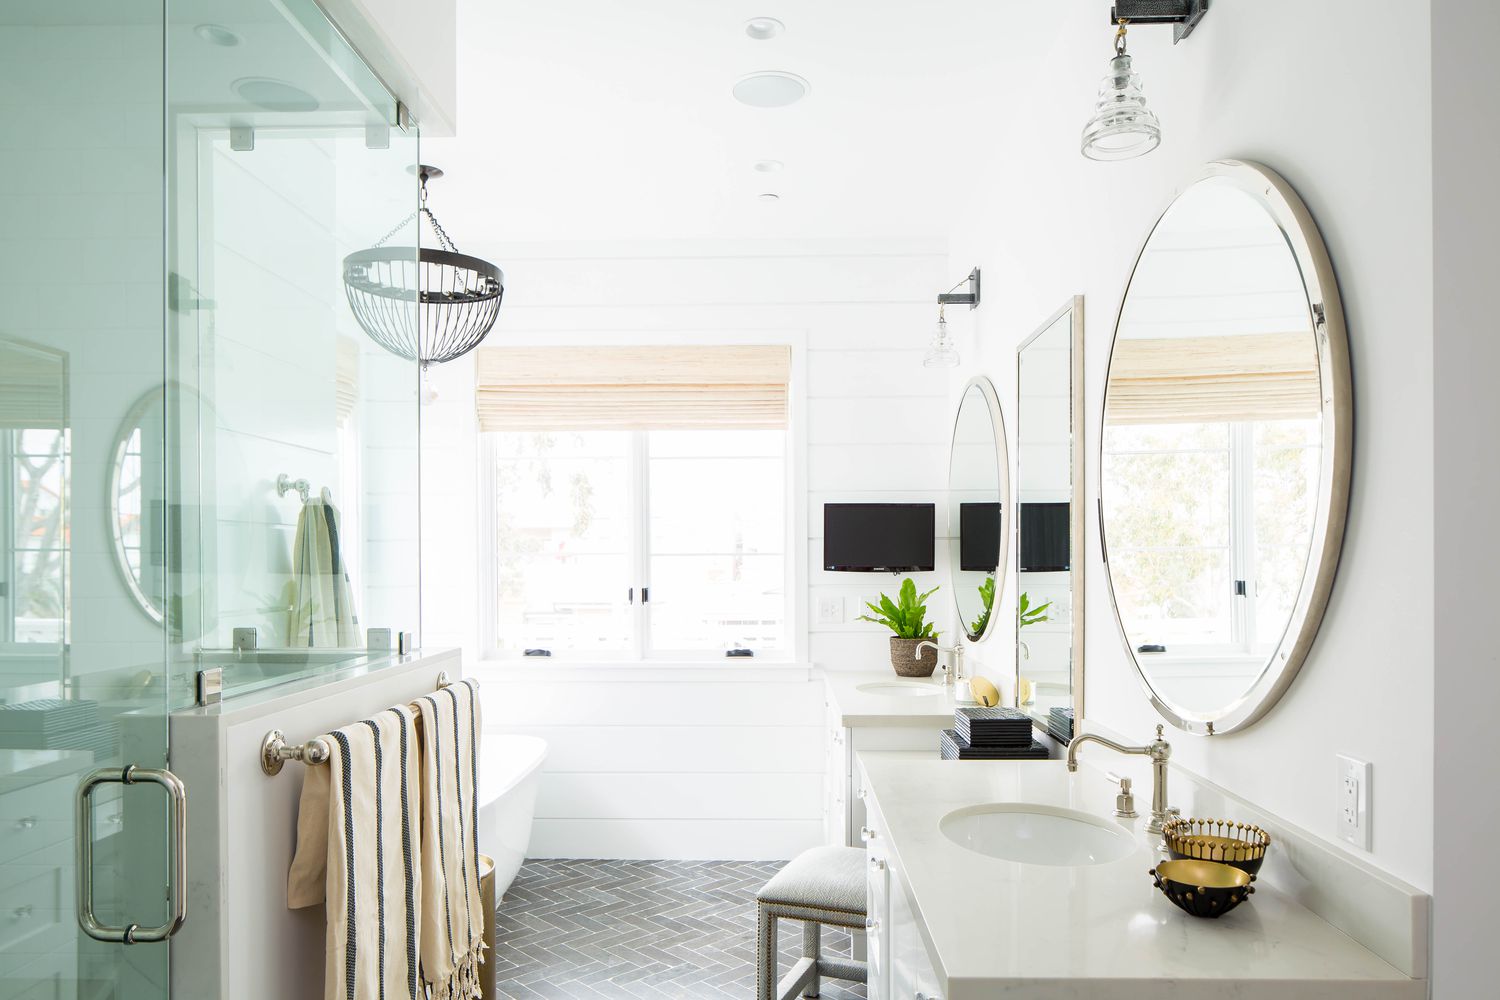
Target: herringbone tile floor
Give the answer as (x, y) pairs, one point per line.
(685, 930)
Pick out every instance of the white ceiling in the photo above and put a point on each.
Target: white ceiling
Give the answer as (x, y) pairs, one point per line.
(613, 120)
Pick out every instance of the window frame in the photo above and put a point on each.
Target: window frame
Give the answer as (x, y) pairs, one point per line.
(1239, 451)
(794, 651)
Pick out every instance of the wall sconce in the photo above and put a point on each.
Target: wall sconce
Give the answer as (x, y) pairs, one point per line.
(942, 353)
(1123, 127)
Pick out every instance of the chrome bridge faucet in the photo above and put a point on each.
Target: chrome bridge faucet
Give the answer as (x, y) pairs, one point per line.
(1159, 750)
(956, 673)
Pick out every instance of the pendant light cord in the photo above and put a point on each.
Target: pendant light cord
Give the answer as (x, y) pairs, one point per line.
(1120, 38)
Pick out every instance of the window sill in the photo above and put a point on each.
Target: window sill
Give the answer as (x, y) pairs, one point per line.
(634, 671)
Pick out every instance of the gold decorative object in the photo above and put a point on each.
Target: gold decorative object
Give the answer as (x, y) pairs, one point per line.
(984, 692)
(1203, 888)
(1240, 845)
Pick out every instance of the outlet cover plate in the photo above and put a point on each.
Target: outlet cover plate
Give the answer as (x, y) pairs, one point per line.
(830, 611)
(1354, 802)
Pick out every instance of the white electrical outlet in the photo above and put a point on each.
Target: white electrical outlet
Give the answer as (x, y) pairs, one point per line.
(830, 611)
(1354, 802)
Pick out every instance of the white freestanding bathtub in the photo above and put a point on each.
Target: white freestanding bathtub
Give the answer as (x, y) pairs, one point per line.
(509, 770)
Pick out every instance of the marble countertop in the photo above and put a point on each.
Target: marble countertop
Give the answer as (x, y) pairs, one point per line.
(998, 928)
(865, 708)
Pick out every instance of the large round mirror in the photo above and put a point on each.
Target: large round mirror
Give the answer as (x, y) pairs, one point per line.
(137, 509)
(978, 485)
(1226, 448)
(145, 525)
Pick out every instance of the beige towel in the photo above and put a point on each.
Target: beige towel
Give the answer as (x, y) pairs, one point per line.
(359, 847)
(322, 601)
(452, 931)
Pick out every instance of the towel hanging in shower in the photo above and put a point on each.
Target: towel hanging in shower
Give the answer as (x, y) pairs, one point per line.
(452, 913)
(359, 847)
(323, 612)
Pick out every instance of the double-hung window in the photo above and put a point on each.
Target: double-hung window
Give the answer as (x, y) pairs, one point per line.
(636, 502)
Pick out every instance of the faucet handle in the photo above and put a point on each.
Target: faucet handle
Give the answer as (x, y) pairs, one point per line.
(1125, 801)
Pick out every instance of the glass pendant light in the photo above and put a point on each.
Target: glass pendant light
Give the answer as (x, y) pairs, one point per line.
(1122, 126)
(941, 353)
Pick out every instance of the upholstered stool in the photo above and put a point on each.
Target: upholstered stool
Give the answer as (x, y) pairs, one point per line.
(825, 885)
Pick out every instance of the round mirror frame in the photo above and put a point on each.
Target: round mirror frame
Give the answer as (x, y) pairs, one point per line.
(1326, 316)
(1002, 459)
(155, 397)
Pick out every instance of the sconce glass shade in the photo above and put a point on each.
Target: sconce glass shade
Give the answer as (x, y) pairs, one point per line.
(941, 353)
(1122, 126)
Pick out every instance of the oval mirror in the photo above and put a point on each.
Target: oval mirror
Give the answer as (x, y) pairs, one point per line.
(1226, 448)
(137, 511)
(978, 488)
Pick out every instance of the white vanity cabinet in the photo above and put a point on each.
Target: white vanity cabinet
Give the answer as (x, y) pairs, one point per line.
(900, 967)
(856, 721)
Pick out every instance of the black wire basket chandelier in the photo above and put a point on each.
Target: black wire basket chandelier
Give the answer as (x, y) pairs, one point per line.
(431, 304)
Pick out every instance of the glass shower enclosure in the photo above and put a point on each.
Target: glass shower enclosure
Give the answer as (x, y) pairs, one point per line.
(203, 460)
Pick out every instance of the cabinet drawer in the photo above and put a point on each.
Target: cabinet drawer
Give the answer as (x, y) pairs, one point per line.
(35, 916)
(34, 816)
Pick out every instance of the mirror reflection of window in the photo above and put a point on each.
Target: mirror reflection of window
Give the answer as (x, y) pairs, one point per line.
(1212, 448)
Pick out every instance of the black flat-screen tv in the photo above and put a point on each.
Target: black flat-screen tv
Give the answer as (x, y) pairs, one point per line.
(979, 536)
(879, 537)
(1046, 535)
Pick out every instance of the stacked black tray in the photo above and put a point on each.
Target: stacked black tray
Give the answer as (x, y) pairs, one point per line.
(1060, 724)
(55, 724)
(952, 747)
(990, 734)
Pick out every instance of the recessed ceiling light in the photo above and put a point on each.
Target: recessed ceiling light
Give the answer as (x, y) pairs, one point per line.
(217, 34)
(762, 28)
(274, 95)
(770, 89)
(768, 196)
(768, 166)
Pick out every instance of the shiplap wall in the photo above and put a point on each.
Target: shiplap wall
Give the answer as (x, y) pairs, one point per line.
(696, 763)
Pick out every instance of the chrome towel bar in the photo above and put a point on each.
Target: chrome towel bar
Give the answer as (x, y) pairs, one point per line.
(276, 751)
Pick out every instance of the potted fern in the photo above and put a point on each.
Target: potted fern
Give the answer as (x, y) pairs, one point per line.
(906, 617)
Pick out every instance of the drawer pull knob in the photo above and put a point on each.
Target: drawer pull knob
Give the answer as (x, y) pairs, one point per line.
(877, 864)
(24, 912)
(866, 834)
(871, 924)
(26, 823)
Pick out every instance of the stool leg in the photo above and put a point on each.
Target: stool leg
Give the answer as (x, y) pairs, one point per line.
(812, 948)
(765, 955)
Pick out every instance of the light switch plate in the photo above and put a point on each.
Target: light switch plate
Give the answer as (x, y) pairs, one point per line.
(1354, 802)
(830, 611)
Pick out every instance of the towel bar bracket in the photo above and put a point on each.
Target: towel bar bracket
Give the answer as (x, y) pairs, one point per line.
(275, 751)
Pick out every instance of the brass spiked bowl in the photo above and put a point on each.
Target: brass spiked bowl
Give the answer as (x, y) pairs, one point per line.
(1239, 845)
(1203, 888)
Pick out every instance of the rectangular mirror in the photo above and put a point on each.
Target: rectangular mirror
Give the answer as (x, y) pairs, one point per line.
(1049, 524)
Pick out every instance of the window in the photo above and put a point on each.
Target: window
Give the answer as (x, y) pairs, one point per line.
(637, 502)
(1212, 505)
(33, 581)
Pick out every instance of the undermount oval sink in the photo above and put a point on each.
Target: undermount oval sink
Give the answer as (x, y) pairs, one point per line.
(1037, 835)
(915, 689)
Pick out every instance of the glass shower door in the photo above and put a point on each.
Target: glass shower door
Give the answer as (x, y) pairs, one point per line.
(82, 667)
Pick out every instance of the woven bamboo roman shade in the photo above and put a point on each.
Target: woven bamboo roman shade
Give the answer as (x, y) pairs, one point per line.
(1263, 376)
(33, 389)
(625, 388)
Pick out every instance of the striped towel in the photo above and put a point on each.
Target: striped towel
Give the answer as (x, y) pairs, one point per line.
(359, 847)
(452, 931)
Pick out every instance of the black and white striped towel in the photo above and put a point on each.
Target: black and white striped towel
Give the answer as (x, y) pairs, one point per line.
(387, 833)
(359, 847)
(452, 931)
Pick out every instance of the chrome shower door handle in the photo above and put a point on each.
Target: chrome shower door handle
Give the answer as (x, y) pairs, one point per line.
(84, 834)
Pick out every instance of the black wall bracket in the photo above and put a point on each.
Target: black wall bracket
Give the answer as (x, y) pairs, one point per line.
(969, 298)
(1182, 15)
